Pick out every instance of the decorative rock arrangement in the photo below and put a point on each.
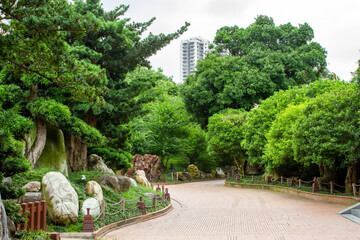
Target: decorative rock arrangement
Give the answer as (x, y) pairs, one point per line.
(193, 171)
(94, 206)
(148, 163)
(118, 183)
(62, 200)
(94, 189)
(141, 178)
(95, 163)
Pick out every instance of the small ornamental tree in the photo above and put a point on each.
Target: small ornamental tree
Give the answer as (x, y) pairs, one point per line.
(225, 133)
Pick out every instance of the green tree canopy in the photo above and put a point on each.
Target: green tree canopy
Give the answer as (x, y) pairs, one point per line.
(261, 118)
(264, 58)
(163, 130)
(225, 133)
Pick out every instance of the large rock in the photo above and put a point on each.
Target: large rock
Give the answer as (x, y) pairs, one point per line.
(94, 190)
(32, 186)
(133, 182)
(61, 198)
(95, 163)
(193, 171)
(184, 176)
(118, 183)
(140, 177)
(220, 173)
(54, 154)
(32, 197)
(94, 206)
(148, 163)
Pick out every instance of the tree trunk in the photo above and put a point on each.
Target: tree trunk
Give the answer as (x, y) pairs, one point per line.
(76, 148)
(326, 173)
(76, 153)
(37, 147)
(350, 178)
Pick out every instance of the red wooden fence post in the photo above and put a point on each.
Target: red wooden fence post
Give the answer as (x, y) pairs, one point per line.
(43, 215)
(141, 205)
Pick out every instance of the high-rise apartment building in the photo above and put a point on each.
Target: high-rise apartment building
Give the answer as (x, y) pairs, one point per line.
(191, 51)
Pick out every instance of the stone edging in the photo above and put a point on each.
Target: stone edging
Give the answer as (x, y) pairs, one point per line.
(346, 200)
(113, 226)
(195, 180)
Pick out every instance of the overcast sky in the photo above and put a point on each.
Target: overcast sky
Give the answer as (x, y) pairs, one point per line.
(336, 24)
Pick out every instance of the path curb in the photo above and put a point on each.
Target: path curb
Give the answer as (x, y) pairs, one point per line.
(113, 226)
(345, 200)
(196, 180)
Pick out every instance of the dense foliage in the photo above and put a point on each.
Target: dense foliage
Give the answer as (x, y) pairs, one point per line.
(264, 58)
(225, 133)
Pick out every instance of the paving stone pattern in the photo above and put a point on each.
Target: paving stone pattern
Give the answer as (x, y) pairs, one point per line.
(209, 210)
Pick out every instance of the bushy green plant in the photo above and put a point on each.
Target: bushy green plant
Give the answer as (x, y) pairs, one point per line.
(33, 235)
(13, 165)
(114, 158)
(12, 212)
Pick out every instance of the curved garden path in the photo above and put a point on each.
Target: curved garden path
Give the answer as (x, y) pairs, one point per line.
(209, 210)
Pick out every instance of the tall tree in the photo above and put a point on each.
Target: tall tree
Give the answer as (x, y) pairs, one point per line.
(263, 58)
(119, 47)
(36, 58)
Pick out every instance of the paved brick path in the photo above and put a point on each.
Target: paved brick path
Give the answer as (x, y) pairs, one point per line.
(209, 210)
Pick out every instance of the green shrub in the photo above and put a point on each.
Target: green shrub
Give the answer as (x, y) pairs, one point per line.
(11, 166)
(12, 210)
(114, 158)
(32, 235)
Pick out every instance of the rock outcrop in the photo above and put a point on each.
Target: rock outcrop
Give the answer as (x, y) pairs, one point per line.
(193, 171)
(148, 163)
(61, 198)
(118, 183)
(95, 163)
(140, 177)
(94, 190)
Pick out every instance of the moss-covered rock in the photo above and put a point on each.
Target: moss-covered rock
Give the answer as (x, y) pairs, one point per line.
(54, 153)
(193, 171)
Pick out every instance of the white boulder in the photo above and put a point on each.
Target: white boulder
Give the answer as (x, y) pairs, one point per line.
(61, 198)
(140, 177)
(94, 206)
